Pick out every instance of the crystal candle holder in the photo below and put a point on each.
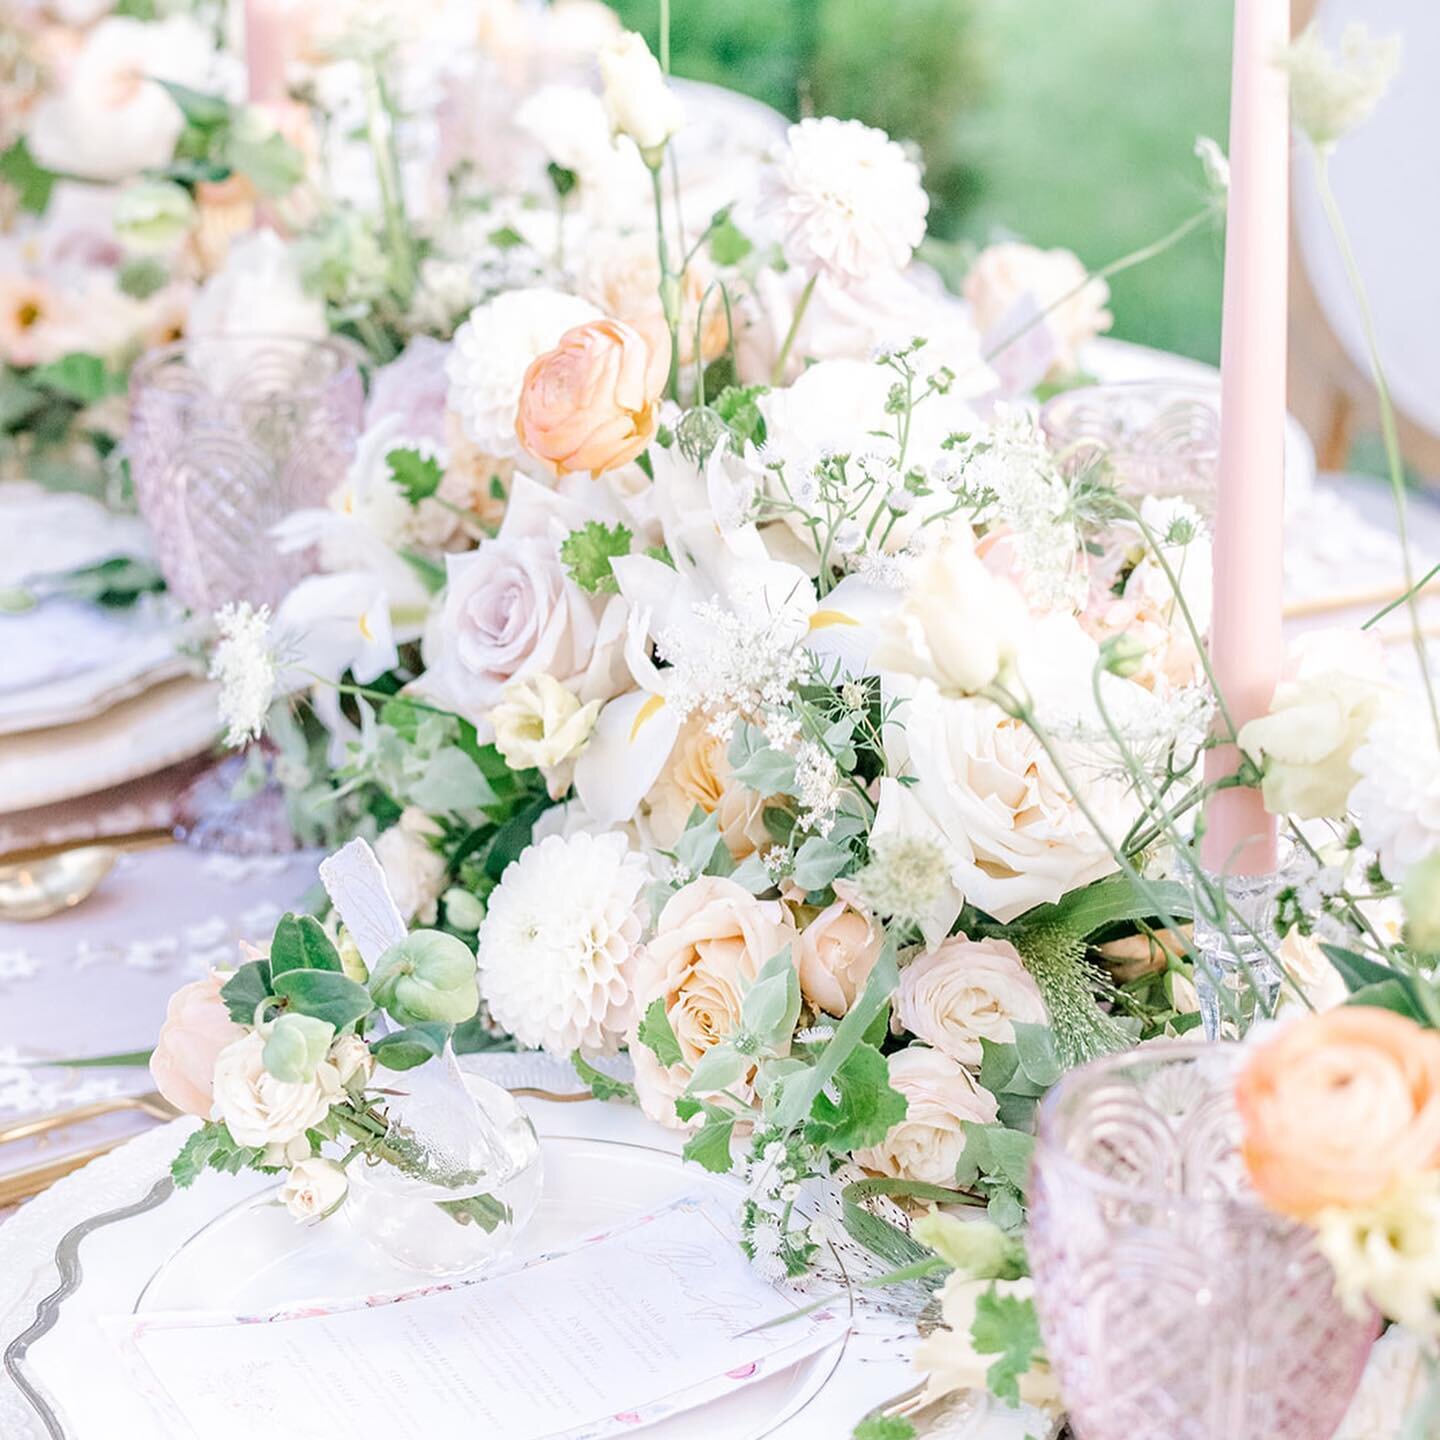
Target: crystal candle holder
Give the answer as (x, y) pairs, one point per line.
(1173, 1304)
(228, 436)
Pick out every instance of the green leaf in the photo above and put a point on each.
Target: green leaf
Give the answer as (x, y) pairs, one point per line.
(717, 1069)
(416, 476)
(505, 238)
(412, 1046)
(728, 243)
(755, 763)
(324, 995)
(31, 182)
(1358, 971)
(793, 1100)
(884, 1427)
(1392, 994)
(603, 1086)
(709, 1147)
(245, 990)
(771, 1005)
(432, 575)
(588, 551)
(697, 851)
(687, 1107)
(1082, 912)
(1005, 1325)
(301, 943)
(657, 1036)
(212, 1147)
(738, 406)
(562, 179)
(867, 1107)
(1035, 1051)
(206, 111)
(78, 377)
(18, 400)
(819, 861)
(270, 162)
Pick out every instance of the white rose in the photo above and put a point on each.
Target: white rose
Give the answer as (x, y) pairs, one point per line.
(637, 99)
(967, 991)
(1317, 720)
(413, 870)
(1012, 833)
(958, 625)
(1005, 276)
(541, 724)
(260, 1110)
(351, 1056)
(313, 1189)
(940, 1097)
(1309, 970)
(110, 118)
(570, 125)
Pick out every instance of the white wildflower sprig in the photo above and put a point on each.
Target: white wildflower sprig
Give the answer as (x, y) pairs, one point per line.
(778, 1240)
(1333, 91)
(244, 663)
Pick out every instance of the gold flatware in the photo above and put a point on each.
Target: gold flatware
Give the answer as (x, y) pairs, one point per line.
(152, 1103)
(24, 1184)
(38, 883)
(530, 1092)
(1372, 599)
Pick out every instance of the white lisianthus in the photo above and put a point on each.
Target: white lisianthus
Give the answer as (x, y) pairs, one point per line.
(966, 991)
(260, 1110)
(558, 944)
(314, 1189)
(351, 1057)
(414, 870)
(1331, 92)
(110, 118)
(540, 724)
(243, 662)
(846, 199)
(492, 351)
(638, 100)
(1317, 720)
(958, 625)
(153, 214)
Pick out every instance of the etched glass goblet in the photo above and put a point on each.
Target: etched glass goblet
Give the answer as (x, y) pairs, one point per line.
(1173, 1304)
(228, 436)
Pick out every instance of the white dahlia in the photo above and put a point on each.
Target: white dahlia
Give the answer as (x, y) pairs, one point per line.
(558, 944)
(847, 199)
(1396, 801)
(492, 351)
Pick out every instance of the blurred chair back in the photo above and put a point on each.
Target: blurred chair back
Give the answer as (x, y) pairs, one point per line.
(1386, 177)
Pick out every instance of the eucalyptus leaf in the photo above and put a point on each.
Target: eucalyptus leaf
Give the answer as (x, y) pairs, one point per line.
(720, 1067)
(324, 995)
(300, 943)
(412, 1046)
(245, 990)
(771, 1005)
(819, 861)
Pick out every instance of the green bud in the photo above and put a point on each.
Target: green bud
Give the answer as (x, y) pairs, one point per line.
(153, 214)
(462, 909)
(429, 975)
(295, 1045)
(1123, 655)
(1421, 895)
(976, 1248)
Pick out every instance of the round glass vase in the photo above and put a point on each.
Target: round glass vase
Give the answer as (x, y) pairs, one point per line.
(456, 1177)
(1173, 1304)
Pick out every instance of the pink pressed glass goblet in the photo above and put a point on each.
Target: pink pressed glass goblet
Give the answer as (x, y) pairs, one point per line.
(1173, 1305)
(228, 436)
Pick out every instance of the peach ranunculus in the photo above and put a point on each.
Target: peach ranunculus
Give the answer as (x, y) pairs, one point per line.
(593, 402)
(835, 954)
(966, 991)
(698, 773)
(1338, 1108)
(940, 1096)
(712, 939)
(197, 1028)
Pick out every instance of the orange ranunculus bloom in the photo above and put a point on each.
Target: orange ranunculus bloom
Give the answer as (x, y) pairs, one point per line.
(593, 402)
(1338, 1108)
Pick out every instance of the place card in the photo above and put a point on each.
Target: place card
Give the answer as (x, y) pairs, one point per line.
(645, 1321)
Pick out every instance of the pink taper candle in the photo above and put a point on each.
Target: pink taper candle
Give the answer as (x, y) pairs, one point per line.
(265, 27)
(1245, 638)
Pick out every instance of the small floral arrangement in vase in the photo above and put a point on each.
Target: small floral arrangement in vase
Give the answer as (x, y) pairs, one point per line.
(332, 1063)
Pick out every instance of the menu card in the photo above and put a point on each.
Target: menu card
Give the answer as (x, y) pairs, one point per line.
(650, 1319)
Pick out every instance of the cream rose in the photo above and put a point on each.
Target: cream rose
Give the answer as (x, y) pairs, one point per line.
(197, 1028)
(959, 624)
(351, 1057)
(1317, 720)
(1012, 833)
(638, 101)
(313, 1189)
(260, 1110)
(835, 954)
(712, 939)
(967, 991)
(940, 1097)
(698, 773)
(540, 724)
(414, 871)
(592, 404)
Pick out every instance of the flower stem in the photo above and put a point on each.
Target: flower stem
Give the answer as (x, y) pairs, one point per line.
(380, 129)
(777, 373)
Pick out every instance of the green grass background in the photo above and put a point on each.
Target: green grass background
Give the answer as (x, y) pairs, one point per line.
(1064, 122)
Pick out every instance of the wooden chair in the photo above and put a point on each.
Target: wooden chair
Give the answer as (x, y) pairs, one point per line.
(1386, 176)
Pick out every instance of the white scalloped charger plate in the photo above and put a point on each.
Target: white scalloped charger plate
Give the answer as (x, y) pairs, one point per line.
(135, 1263)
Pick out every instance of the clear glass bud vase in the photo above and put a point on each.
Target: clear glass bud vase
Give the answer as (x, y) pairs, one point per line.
(457, 1176)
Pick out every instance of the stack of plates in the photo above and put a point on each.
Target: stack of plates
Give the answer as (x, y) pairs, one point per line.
(89, 697)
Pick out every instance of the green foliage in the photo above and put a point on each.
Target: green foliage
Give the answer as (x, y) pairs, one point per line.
(755, 763)
(245, 990)
(709, 1147)
(588, 551)
(416, 476)
(657, 1036)
(412, 1046)
(212, 1147)
(31, 182)
(1054, 954)
(1019, 1078)
(115, 583)
(77, 377)
(884, 1427)
(729, 245)
(325, 995)
(819, 861)
(1006, 1326)
(300, 943)
(738, 407)
(996, 1162)
(1093, 907)
(700, 850)
(603, 1086)
(865, 1109)
(978, 1249)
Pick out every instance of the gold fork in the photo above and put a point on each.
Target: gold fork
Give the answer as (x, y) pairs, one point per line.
(152, 1103)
